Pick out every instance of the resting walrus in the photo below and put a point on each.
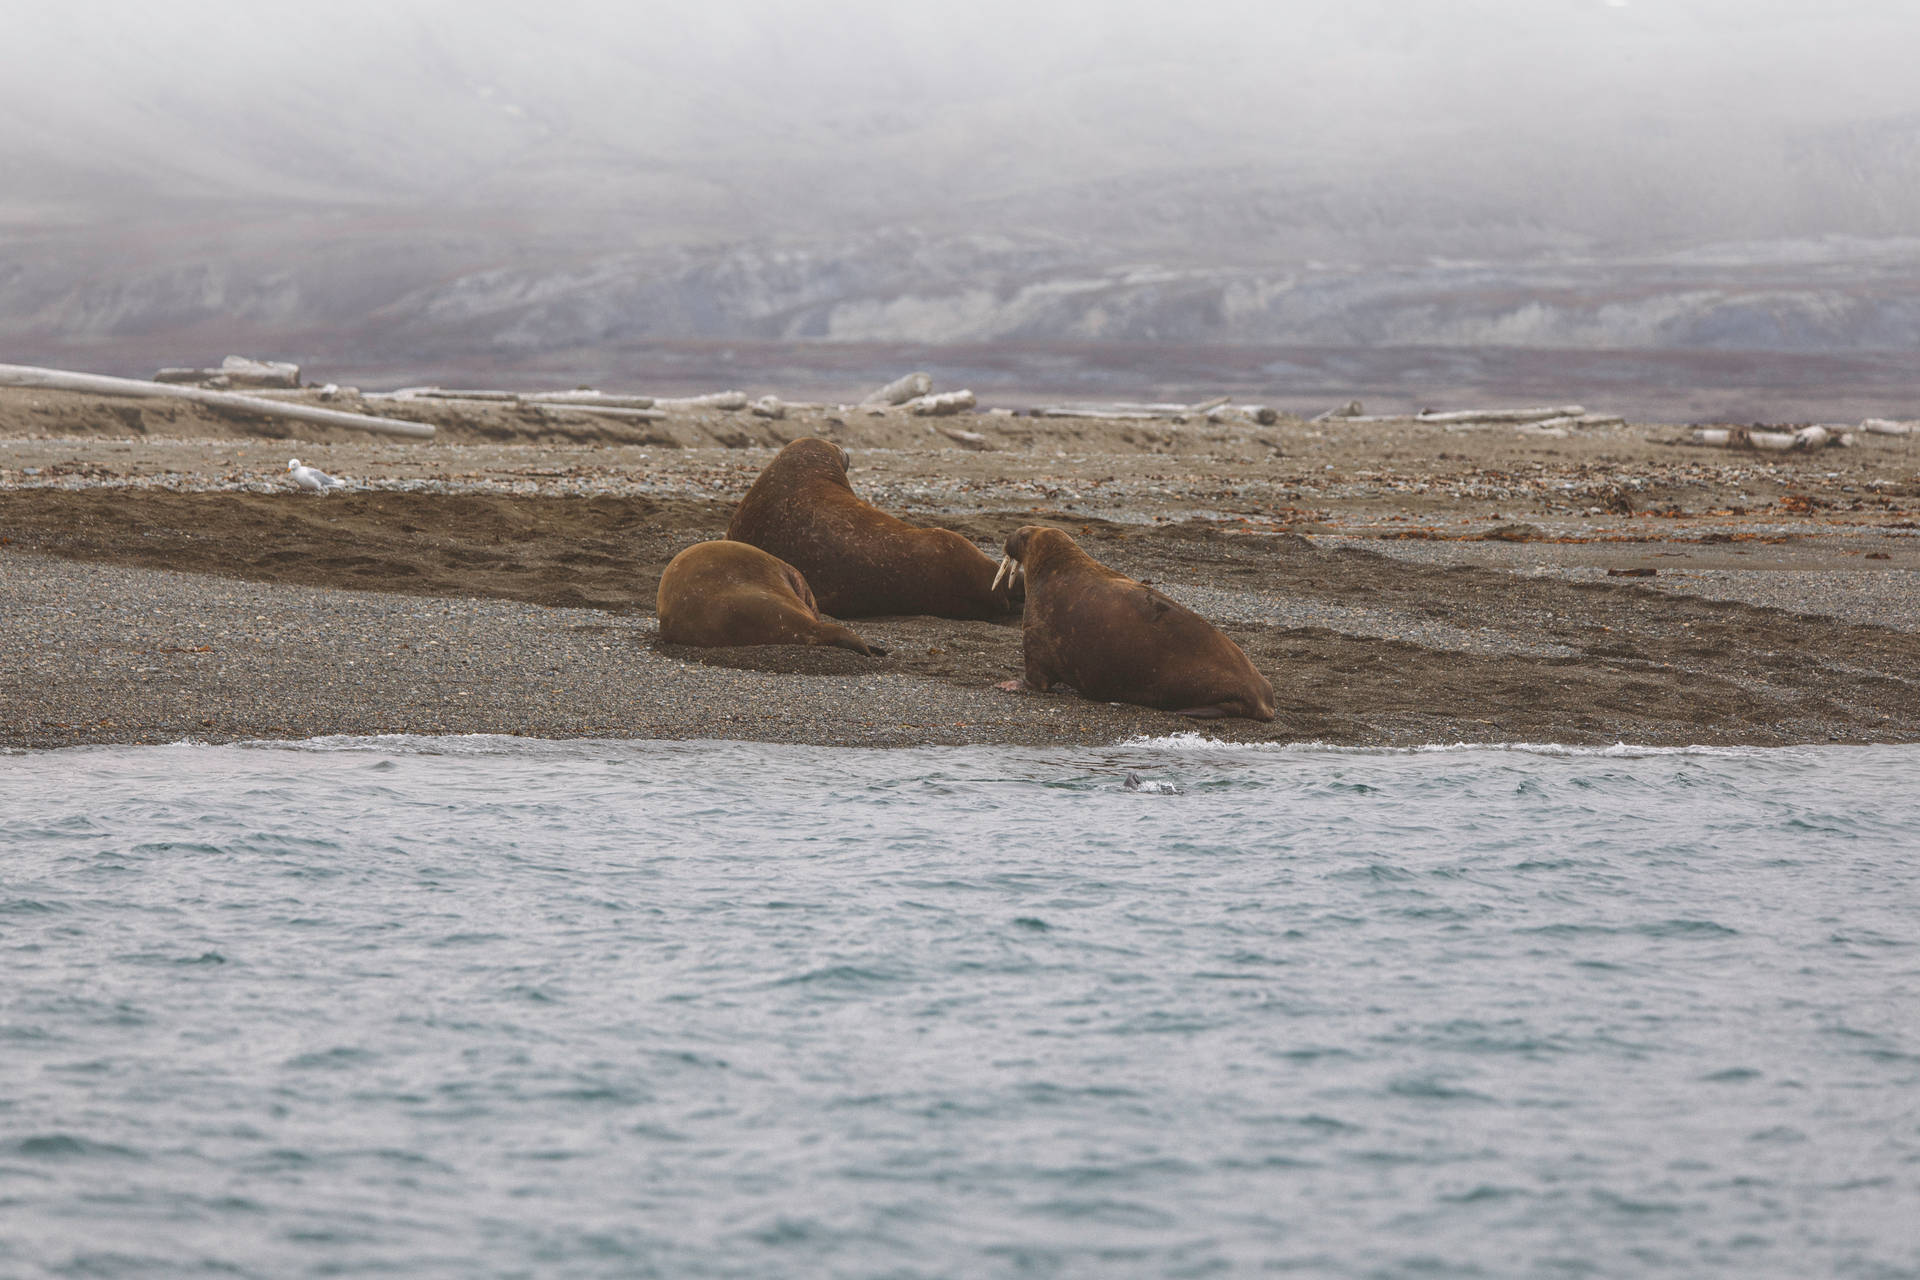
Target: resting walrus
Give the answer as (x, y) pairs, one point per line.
(860, 560)
(1119, 640)
(716, 594)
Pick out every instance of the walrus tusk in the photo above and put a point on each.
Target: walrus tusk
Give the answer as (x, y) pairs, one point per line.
(1005, 573)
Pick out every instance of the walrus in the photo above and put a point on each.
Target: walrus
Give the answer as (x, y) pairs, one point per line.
(860, 560)
(1118, 640)
(722, 593)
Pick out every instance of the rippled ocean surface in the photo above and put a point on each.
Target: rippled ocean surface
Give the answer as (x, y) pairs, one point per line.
(482, 1006)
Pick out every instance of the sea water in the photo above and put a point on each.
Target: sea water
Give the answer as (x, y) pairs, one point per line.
(484, 1006)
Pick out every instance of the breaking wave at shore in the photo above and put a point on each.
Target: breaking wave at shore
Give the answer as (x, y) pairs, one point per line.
(483, 1003)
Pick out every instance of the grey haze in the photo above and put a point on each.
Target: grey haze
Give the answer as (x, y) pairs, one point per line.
(405, 183)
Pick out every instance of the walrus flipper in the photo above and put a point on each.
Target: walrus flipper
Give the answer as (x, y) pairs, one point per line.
(839, 637)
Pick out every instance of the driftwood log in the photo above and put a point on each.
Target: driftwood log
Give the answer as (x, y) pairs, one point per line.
(940, 406)
(1351, 409)
(590, 399)
(1097, 411)
(595, 410)
(18, 375)
(717, 400)
(1129, 409)
(1552, 417)
(441, 393)
(1504, 415)
(1804, 438)
(965, 439)
(910, 387)
(1218, 409)
(1264, 415)
(237, 371)
(1559, 428)
(583, 399)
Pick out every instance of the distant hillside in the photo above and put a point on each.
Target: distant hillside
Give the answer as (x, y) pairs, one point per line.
(428, 180)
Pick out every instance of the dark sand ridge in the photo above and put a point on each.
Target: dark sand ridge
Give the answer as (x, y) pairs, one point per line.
(225, 614)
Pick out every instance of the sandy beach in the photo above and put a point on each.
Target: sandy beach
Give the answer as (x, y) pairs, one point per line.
(1401, 583)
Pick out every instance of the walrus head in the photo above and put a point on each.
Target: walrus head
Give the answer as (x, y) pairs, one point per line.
(1031, 544)
(813, 456)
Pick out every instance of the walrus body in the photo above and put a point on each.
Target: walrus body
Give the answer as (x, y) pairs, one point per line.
(717, 594)
(860, 560)
(1118, 640)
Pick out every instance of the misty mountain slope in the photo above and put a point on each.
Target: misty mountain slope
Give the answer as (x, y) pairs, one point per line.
(979, 289)
(427, 177)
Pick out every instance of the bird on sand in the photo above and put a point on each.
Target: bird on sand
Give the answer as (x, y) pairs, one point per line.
(312, 477)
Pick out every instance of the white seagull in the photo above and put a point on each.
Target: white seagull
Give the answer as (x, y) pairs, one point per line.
(312, 477)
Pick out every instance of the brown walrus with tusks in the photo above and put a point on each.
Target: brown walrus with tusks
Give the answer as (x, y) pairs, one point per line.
(717, 594)
(1118, 640)
(860, 560)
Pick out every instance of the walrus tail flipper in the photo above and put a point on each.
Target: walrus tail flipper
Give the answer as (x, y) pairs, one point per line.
(839, 637)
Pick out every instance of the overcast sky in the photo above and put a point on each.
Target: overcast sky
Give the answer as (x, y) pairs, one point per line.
(804, 110)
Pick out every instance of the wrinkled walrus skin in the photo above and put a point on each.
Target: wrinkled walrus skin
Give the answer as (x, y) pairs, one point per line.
(1118, 640)
(717, 594)
(860, 560)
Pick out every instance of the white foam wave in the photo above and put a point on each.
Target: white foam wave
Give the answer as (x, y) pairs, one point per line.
(1190, 741)
(424, 744)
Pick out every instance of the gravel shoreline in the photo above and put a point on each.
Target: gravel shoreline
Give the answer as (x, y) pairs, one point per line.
(99, 653)
(1400, 585)
(107, 653)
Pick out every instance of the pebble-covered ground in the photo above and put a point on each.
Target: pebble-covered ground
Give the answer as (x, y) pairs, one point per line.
(1399, 582)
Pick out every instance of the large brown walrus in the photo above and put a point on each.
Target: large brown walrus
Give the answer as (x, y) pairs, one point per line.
(860, 560)
(1118, 640)
(728, 593)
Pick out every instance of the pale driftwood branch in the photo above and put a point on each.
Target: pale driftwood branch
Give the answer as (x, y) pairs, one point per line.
(1259, 413)
(242, 372)
(717, 400)
(438, 393)
(1505, 415)
(586, 398)
(414, 395)
(237, 371)
(597, 399)
(1805, 438)
(17, 375)
(599, 411)
(910, 387)
(1214, 410)
(1351, 409)
(966, 439)
(1095, 411)
(442, 393)
(947, 402)
(1562, 426)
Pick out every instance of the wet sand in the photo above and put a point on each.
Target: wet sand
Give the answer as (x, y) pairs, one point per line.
(1400, 583)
